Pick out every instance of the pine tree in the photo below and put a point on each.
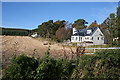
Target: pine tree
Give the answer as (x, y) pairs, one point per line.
(118, 24)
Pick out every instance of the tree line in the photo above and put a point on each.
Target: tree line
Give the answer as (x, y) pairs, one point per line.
(59, 30)
(14, 32)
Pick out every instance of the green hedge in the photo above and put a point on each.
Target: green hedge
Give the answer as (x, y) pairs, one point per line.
(104, 64)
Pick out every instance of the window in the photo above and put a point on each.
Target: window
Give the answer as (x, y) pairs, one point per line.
(98, 38)
(102, 38)
(100, 34)
(92, 38)
(76, 38)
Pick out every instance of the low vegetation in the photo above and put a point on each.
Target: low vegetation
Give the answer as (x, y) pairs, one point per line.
(14, 32)
(104, 64)
(99, 46)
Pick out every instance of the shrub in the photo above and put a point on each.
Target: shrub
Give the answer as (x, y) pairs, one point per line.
(21, 68)
(27, 68)
(104, 64)
(49, 68)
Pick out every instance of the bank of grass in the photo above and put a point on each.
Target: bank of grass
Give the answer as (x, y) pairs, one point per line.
(102, 65)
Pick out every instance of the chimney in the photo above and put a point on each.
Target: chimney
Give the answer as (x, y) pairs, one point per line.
(74, 31)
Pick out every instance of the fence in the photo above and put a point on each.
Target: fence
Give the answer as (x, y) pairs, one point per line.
(100, 48)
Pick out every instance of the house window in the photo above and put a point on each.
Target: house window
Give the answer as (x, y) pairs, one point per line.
(79, 38)
(92, 38)
(100, 34)
(98, 38)
(76, 38)
(102, 38)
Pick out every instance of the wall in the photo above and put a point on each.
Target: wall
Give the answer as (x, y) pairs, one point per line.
(88, 39)
(79, 39)
(95, 36)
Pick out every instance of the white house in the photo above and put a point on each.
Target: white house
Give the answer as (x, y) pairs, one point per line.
(90, 35)
(34, 34)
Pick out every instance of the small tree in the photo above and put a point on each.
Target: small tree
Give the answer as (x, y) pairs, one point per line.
(63, 33)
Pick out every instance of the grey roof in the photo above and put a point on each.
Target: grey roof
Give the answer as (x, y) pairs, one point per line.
(83, 32)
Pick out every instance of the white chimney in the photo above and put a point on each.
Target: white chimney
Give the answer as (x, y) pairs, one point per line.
(74, 31)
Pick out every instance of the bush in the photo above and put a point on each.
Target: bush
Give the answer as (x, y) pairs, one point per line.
(27, 68)
(53, 69)
(49, 68)
(21, 68)
(104, 64)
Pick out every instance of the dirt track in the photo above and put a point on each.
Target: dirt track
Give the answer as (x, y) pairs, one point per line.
(28, 46)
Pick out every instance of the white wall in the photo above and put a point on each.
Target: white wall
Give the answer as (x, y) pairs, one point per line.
(74, 31)
(88, 38)
(77, 38)
(34, 35)
(98, 34)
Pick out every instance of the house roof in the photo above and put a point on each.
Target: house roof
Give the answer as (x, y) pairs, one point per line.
(83, 32)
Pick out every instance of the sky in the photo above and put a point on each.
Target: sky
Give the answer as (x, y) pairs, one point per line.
(28, 15)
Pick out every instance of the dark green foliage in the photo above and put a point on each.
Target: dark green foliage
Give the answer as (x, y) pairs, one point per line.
(111, 28)
(48, 29)
(104, 64)
(118, 23)
(45, 30)
(21, 68)
(57, 31)
(27, 68)
(80, 24)
(50, 68)
(14, 32)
